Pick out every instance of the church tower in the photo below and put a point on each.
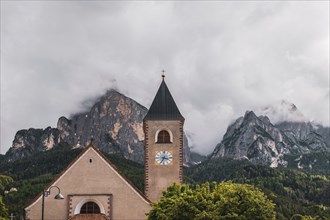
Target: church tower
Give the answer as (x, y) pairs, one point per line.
(163, 128)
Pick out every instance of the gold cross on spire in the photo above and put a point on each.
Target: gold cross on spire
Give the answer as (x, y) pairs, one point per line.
(163, 74)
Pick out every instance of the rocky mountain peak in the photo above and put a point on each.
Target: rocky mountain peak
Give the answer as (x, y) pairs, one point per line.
(250, 115)
(253, 138)
(28, 142)
(114, 122)
(250, 118)
(256, 139)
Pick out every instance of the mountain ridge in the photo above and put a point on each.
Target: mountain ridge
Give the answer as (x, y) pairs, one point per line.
(256, 139)
(114, 123)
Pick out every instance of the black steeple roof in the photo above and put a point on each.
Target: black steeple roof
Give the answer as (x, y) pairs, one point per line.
(163, 106)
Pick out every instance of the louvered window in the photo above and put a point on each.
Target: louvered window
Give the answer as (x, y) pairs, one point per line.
(163, 137)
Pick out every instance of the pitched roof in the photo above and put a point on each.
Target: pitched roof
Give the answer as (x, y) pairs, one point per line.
(163, 106)
(73, 163)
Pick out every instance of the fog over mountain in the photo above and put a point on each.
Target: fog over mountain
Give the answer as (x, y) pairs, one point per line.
(282, 111)
(222, 58)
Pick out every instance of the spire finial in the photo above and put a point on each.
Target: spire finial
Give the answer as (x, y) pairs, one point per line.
(163, 74)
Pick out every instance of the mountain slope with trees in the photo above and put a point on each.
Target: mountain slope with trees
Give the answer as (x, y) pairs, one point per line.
(300, 183)
(293, 191)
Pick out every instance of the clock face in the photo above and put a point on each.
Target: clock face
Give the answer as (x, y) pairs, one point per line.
(163, 157)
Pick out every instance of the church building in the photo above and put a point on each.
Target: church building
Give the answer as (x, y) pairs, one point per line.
(91, 187)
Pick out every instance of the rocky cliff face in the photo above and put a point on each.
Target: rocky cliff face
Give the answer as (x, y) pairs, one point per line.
(29, 142)
(258, 140)
(114, 124)
(305, 136)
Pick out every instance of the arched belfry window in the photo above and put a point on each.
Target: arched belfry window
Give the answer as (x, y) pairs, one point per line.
(163, 137)
(90, 208)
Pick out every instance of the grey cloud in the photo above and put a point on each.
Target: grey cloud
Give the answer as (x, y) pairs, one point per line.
(222, 58)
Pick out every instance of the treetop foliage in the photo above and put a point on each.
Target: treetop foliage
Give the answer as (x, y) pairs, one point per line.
(213, 201)
(3, 210)
(4, 181)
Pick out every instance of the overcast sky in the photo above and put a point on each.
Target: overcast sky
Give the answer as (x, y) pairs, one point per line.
(222, 58)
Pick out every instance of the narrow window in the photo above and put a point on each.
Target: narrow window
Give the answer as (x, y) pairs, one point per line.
(163, 137)
(90, 208)
(90, 160)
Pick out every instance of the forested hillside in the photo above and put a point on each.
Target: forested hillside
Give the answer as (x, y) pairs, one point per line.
(4, 181)
(315, 163)
(294, 191)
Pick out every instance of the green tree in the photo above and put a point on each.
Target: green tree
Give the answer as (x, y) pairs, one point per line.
(301, 217)
(3, 210)
(4, 181)
(213, 201)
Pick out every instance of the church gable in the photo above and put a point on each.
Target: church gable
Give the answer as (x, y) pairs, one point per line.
(92, 184)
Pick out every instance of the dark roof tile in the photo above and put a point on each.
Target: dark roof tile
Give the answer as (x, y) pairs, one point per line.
(163, 106)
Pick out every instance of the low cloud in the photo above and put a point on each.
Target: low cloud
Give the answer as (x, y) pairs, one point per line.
(221, 58)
